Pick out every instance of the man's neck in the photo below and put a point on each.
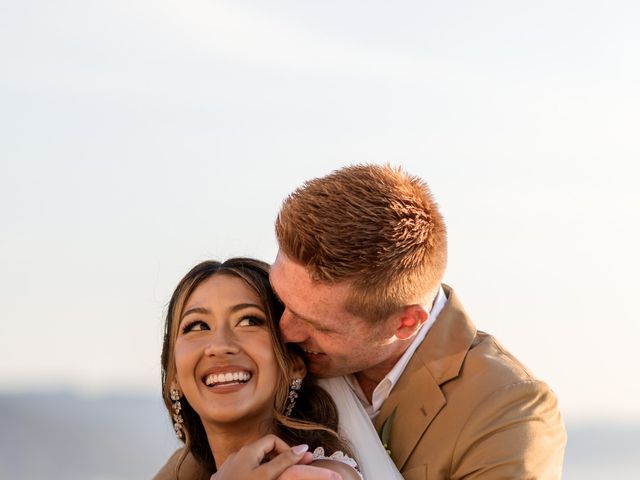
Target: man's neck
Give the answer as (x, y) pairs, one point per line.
(367, 385)
(370, 378)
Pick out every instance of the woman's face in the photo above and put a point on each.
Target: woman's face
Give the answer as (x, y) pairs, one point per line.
(225, 361)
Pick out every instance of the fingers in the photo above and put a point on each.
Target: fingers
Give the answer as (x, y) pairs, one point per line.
(247, 462)
(306, 459)
(286, 459)
(257, 450)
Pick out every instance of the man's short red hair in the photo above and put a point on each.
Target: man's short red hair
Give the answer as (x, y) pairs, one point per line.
(375, 227)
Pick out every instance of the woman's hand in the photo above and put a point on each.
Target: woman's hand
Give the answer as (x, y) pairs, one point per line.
(247, 464)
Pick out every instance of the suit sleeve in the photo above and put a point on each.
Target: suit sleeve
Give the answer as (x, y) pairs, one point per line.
(516, 432)
(190, 469)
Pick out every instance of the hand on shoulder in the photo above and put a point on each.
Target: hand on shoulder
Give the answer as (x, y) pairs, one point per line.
(248, 462)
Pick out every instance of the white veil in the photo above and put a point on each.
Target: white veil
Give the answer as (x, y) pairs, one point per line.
(355, 426)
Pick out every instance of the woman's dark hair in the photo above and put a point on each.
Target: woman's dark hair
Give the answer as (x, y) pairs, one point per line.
(314, 419)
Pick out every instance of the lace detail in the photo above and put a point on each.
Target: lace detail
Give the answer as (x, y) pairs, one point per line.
(318, 454)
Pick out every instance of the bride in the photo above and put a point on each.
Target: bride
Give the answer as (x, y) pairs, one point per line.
(239, 398)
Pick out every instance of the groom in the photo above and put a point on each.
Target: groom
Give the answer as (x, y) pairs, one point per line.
(362, 253)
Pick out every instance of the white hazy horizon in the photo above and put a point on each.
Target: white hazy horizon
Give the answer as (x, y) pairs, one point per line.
(139, 138)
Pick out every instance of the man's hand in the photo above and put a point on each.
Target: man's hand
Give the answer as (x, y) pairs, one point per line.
(247, 464)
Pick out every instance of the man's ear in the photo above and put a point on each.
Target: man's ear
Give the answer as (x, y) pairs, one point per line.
(410, 321)
(297, 369)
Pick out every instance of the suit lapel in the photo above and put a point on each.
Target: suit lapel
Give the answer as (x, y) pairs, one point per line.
(418, 399)
(417, 395)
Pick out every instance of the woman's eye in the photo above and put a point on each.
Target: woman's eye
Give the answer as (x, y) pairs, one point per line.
(195, 326)
(250, 322)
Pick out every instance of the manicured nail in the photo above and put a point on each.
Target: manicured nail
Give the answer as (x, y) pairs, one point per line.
(298, 449)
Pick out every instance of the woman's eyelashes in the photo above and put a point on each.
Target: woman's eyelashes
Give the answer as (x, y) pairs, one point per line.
(251, 321)
(245, 321)
(194, 325)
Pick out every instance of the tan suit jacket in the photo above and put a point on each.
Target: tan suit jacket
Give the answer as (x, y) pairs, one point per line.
(465, 409)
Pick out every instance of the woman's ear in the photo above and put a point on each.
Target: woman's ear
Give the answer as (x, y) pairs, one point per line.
(297, 368)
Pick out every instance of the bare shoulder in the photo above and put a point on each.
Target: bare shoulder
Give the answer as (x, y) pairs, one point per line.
(346, 471)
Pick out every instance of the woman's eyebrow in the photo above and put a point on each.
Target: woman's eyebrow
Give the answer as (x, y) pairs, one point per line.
(241, 306)
(194, 310)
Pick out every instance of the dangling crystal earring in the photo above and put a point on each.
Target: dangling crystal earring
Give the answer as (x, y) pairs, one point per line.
(295, 385)
(178, 422)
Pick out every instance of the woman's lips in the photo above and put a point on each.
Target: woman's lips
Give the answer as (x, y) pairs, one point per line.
(227, 378)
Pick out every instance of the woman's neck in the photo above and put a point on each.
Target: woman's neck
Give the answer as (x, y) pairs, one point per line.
(225, 440)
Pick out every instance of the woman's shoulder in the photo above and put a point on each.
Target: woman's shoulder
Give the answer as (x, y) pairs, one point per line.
(339, 462)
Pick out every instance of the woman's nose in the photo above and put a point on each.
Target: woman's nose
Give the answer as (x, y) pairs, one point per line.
(221, 342)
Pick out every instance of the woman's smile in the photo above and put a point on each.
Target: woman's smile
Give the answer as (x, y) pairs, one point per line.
(226, 379)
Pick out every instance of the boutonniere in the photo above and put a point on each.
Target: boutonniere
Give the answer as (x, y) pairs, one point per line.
(385, 430)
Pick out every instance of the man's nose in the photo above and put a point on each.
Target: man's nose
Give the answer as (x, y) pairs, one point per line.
(291, 329)
(221, 342)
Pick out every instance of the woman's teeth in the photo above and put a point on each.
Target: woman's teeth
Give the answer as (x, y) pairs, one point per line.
(226, 378)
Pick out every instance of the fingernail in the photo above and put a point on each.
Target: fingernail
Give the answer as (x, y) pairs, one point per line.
(298, 449)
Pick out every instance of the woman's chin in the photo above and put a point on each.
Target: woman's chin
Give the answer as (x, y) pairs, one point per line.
(224, 416)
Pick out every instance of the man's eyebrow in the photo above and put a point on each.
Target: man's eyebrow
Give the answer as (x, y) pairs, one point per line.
(310, 321)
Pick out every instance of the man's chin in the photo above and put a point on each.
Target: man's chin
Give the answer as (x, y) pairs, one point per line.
(318, 367)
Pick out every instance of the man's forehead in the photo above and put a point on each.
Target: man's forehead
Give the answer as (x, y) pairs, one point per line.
(285, 274)
(302, 295)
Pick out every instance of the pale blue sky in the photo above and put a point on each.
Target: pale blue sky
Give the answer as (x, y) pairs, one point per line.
(141, 137)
